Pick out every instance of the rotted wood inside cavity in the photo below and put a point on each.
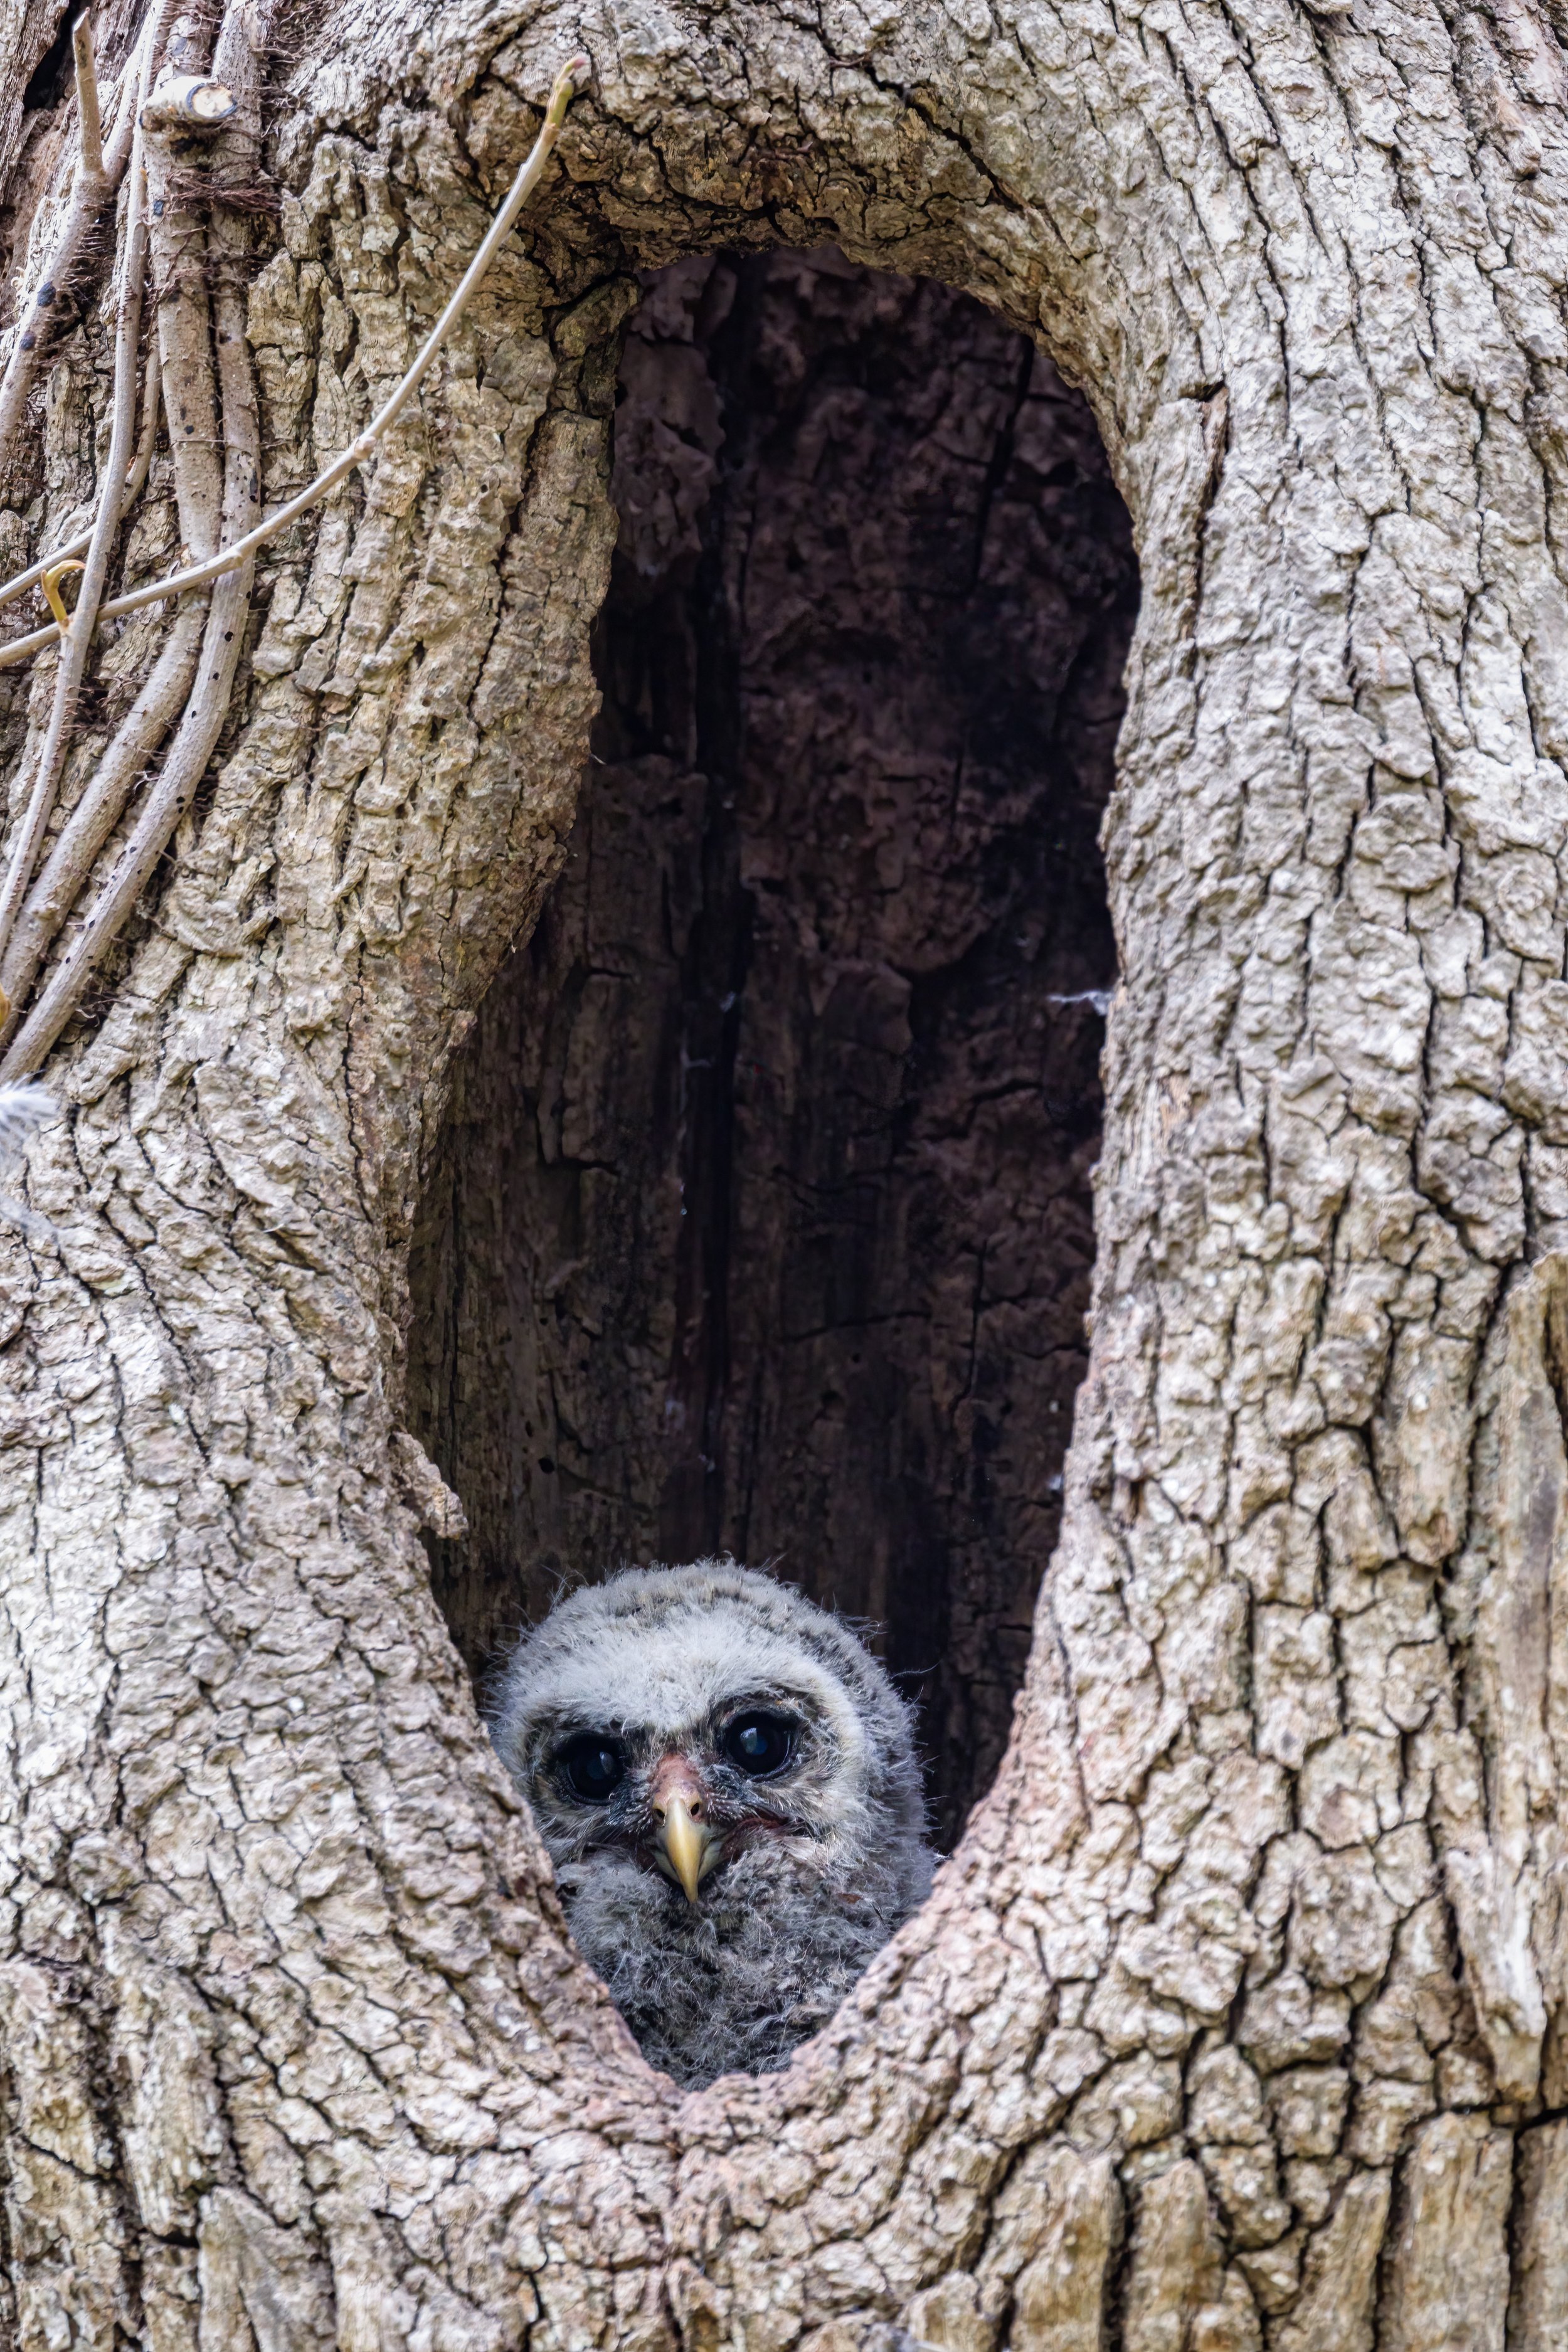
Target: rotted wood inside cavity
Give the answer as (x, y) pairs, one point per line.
(762, 1218)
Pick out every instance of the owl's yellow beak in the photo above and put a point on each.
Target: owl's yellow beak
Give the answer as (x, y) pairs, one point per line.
(687, 1849)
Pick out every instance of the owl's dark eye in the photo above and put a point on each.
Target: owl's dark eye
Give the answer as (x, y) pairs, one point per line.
(760, 1743)
(592, 1766)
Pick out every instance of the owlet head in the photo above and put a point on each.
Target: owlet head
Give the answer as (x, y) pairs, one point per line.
(678, 1718)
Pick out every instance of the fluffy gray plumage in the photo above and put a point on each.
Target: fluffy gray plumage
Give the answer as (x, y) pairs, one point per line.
(666, 1676)
(24, 1107)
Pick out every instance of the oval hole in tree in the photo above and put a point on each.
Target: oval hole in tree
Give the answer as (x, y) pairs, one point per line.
(762, 1221)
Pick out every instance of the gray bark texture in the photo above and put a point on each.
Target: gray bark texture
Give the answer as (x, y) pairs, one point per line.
(1237, 2019)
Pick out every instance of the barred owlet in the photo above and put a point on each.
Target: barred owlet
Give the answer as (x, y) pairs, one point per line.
(727, 1784)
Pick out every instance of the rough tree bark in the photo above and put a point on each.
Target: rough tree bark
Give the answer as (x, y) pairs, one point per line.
(1236, 2018)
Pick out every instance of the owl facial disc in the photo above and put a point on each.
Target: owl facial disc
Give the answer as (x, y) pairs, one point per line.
(726, 1782)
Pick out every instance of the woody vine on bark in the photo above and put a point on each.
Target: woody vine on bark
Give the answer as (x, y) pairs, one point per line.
(157, 120)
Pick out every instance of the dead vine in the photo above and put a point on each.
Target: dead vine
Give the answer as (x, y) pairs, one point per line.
(185, 230)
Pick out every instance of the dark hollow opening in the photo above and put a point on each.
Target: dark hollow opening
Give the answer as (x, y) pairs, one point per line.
(761, 1223)
(50, 75)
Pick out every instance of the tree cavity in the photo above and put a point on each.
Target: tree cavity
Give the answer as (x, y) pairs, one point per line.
(762, 1222)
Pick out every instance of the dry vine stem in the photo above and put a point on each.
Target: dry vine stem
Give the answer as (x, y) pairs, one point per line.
(82, 539)
(90, 125)
(211, 504)
(212, 518)
(78, 633)
(95, 815)
(89, 192)
(198, 575)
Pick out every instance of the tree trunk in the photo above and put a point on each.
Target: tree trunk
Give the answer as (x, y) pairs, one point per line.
(1236, 2018)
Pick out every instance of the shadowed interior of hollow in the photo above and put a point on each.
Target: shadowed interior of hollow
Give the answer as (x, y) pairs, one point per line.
(762, 1221)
